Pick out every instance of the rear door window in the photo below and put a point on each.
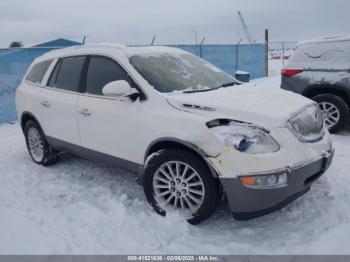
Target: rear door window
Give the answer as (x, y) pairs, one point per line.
(101, 71)
(67, 74)
(38, 71)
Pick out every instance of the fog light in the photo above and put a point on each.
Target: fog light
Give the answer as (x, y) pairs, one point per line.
(265, 181)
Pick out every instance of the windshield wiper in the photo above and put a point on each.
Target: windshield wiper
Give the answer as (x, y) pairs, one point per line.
(214, 88)
(200, 90)
(228, 84)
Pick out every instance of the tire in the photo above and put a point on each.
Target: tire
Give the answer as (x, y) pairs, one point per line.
(39, 150)
(338, 115)
(202, 182)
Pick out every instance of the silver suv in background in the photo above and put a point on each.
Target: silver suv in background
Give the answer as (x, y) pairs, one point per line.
(320, 70)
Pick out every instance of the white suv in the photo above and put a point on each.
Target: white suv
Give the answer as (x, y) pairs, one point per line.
(190, 131)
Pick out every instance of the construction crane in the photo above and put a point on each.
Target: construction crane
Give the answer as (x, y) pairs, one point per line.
(245, 28)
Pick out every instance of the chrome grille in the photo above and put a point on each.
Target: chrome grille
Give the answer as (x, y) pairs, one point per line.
(308, 125)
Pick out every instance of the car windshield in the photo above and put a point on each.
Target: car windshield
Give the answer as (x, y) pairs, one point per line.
(180, 72)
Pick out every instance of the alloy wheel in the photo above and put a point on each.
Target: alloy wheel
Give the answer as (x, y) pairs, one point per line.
(177, 185)
(35, 144)
(330, 113)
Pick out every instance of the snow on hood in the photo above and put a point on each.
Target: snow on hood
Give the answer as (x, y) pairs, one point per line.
(260, 105)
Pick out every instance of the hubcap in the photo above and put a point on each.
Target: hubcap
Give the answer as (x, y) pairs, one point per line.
(330, 113)
(178, 185)
(35, 144)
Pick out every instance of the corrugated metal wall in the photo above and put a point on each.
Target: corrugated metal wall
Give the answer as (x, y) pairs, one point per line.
(14, 63)
(250, 57)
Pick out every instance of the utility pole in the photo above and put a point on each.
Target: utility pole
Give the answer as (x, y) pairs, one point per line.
(237, 54)
(84, 38)
(266, 52)
(283, 53)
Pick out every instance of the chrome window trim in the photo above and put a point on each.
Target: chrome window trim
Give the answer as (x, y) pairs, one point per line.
(77, 93)
(85, 94)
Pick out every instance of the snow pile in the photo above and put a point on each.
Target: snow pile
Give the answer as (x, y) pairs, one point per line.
(81, 207)
(77, 206)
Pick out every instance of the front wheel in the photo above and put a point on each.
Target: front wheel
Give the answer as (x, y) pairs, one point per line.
(180, 180)
(335, 111)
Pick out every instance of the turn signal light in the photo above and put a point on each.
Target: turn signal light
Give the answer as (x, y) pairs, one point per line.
(248, 180)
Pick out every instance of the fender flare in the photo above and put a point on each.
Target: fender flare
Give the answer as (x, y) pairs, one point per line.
(187, 145)
(30, 115)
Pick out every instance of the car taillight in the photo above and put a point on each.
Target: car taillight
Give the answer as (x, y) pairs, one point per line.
(290, 72)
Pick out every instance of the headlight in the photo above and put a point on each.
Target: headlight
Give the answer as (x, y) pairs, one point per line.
(246, 138)
(265, 181)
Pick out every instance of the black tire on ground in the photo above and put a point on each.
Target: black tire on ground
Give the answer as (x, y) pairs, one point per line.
(49, 156)
(340, 104)
(211, 185)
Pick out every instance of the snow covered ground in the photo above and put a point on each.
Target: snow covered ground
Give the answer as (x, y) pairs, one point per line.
(80, 207)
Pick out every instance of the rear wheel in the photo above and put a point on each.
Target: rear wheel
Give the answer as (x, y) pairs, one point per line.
(38, 148)
(335, 111)
(180, 180)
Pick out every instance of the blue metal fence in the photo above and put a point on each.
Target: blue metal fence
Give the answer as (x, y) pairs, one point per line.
(251, 58)
(14, 63)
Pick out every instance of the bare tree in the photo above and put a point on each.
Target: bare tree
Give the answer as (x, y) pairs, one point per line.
(16, 44)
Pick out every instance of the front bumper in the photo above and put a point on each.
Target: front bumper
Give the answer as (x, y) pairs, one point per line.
(247, 203)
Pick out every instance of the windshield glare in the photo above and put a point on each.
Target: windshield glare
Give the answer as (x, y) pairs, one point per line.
(179, 72)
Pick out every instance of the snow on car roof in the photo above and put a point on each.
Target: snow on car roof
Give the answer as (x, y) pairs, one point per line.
(328, 53)
(152, 50)
(107, 48)
(327, 39)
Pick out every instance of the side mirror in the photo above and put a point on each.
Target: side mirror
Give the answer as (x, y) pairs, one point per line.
(120, 88)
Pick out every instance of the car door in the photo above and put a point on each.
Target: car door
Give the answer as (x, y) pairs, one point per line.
(59, 100)
(108, 125)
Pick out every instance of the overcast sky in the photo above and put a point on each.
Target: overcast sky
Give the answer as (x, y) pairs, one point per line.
(173, 21)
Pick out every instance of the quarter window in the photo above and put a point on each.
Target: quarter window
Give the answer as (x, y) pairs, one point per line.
(102, 71)
(53, 77)
(67, 74)
(38, 71)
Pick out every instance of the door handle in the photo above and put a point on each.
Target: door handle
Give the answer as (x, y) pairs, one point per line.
(45, 103)
(85, 112)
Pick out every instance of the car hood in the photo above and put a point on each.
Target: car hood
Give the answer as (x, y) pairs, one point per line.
(264, 106)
